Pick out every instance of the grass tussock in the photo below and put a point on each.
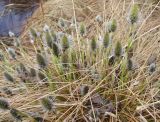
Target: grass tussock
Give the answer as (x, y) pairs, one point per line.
(77, 72)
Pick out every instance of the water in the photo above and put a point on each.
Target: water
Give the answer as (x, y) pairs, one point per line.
(13, 20)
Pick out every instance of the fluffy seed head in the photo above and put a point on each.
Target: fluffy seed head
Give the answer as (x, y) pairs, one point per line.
(152, 68)
(84, 90)
(9, 77)
(47, 104)
(111, 60)
(7, 91)
(17, 42)
(94, 114)
(32, 72)
(16, 114)
(41, 61)
(65, 43)
(118, 49)
(93, 44)
(1, 56)
(46, 28)
(22, 67)
(61, 23)
(65, 59)
(106, 40)
(33, 33)
(133, 16)
(55, 49)
(82, 29)
(49, 39)
(129, 64)
(42, 76)
(99, 18)
(112, 26)
(4, 105)
(12, 53)
(11, 34)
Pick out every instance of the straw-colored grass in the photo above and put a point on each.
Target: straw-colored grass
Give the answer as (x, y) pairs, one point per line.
(132, 96)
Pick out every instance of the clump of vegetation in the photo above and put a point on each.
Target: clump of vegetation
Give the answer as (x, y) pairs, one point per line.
(69, 81)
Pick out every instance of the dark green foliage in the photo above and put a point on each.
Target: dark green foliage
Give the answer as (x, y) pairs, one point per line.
(4, 105)
(41, 61)
(9, 77)
(106, 40)
(118, 49)
(65, 43)
(93, 44)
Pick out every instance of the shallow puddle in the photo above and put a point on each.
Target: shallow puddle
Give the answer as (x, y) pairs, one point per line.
(13, 20)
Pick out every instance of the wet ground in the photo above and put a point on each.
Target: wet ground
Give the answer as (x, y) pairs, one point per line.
(14, 19)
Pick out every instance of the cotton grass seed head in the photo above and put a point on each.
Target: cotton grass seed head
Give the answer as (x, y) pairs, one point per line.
(65, 60)
(112, 25)
(129, 64)
(56, 50)
(33, 33)
(49, 39)
(152, 68)
(41, 61)
(84, 90)
(65, 43)
(12, 53)
(133, 15)
(1, 56)
(46, 28)
(93, 44)
(42, 77)
(16, 114)
(106, 40)
(11, 34)
(47, 104)
(94, 114)
(118, 49)
(82, 29)
(99, 18)
(61, 23)
(33, 72)
(111, 60)
(7, 91)
(9, 77)
(4, 105)
(17, 42)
